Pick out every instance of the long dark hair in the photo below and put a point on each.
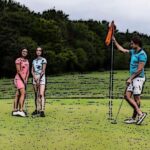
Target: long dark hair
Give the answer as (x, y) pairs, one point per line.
(20, 52)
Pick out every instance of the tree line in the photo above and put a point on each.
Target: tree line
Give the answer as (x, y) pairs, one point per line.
(69, 45)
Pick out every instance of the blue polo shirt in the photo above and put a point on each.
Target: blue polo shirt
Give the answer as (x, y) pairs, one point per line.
(137, 57)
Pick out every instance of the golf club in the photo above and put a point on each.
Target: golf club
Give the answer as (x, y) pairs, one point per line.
(115, 120)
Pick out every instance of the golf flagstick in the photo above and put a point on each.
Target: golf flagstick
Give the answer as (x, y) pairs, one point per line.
(111, 83)
(108, 40)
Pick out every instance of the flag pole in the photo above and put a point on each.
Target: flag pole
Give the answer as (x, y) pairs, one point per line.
(108, 40)
(111, 83)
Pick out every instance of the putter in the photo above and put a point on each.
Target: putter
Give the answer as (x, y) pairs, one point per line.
(115, 120)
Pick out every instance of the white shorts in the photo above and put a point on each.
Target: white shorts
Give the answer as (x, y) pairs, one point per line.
(136, 86)
(42, 80)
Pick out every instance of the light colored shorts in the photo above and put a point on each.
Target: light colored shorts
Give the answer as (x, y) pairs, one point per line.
(19, 84)
(136, 86)
(42, 80)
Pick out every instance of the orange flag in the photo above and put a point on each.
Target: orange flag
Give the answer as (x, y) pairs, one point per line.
(110, 33)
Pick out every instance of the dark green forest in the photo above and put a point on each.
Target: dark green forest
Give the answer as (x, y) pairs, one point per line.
(69, 45)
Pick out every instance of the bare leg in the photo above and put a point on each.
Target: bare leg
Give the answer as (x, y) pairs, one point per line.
(42, 97)
(137, 100)
(38, 100)
(132, 103)
(21, 99)
(16, 101)
(35, 91)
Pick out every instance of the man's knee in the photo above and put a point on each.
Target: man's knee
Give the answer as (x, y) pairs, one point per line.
(126, 97)
(137, 99)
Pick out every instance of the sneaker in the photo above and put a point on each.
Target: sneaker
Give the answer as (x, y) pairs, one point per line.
(130, 121)
(42, 114)
(34, 113)
(15, 113)
(21, 113)
(141, 118)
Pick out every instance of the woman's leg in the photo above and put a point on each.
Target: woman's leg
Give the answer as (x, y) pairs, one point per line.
(35, 92)
(16, 101)
(42, 98)
(21, 99)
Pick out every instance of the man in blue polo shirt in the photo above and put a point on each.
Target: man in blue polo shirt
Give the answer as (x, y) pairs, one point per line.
(137, 78)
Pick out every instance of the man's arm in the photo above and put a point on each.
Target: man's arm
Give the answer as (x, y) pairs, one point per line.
(119, 47)
(139, 70)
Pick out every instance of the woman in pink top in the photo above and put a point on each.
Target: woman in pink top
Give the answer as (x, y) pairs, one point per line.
(20, 81)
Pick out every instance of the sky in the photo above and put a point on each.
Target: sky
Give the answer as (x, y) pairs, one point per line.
(127, 14)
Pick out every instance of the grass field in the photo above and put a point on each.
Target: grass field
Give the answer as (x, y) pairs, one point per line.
(75, 85)
(73, 124)
(76, 116)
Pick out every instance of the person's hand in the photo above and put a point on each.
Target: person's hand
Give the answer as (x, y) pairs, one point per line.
(129, 81)
(42, 73)
(26, 81)
(113, 39)
(35, 79)
(38, 82)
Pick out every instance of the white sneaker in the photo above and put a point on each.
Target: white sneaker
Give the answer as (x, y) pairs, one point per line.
(21, 113)
(130, 121)
(141, 118)
(14, 113)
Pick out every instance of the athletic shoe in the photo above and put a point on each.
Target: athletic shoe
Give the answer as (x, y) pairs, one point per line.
(21, 113)
(42, 114)
(130, 121)
(34, 113)
(15, 113)
(37, 114)
(141, 118)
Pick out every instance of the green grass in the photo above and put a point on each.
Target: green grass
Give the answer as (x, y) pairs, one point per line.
(87, 85)
(73, 124)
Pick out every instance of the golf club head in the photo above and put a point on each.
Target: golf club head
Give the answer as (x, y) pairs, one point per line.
(110, 118)
(114, 122)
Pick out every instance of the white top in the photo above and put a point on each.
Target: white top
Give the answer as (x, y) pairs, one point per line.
(38, 65)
